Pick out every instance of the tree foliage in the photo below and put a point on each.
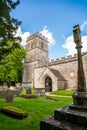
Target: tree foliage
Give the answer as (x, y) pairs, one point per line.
(12, 66)
(8, 27)
(11, 52)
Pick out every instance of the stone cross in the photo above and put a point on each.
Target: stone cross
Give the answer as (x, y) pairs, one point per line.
(81, 87)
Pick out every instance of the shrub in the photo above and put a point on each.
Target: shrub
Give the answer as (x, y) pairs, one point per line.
(29, 96)
(14, 112)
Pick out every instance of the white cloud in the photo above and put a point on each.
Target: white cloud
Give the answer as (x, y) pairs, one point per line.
(69, 45)
(84, 26)
(63, 36)
(45, 32)
(23, 36)
(84, 43)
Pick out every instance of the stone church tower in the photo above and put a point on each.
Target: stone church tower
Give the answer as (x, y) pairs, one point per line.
(45, 75)
(37, 54)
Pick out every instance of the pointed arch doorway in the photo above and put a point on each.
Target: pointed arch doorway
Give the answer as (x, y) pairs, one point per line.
(48, 84)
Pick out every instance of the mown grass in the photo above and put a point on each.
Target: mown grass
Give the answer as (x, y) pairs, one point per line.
(37, 109)
(63, 92)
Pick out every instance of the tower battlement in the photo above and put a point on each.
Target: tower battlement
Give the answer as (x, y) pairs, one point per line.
(37, 34)
(68, 58)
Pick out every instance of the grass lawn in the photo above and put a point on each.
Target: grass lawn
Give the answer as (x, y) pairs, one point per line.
(63, 92)
(37, 109)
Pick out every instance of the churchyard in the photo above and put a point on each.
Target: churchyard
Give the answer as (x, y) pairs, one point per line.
(32, 68)
(37, 109)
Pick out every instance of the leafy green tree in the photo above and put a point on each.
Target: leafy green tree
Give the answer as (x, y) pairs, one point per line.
(12, 66)
(11, 52)
(8, 27)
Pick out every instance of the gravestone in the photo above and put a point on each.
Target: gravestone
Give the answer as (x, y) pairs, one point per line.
(28, 91)
(17, 93)
(2, 94)
(74, 116)
(9, 95)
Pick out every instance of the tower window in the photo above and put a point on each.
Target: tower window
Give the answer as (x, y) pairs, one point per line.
(41, 44)
(31, 46)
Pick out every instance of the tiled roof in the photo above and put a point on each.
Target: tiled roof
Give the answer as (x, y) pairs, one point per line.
(57, 74)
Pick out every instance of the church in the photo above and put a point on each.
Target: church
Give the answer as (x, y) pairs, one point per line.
(45, 75)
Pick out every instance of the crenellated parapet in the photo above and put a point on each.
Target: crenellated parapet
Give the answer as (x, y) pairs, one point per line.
(68, 58)
(62, 60)
(37, 34)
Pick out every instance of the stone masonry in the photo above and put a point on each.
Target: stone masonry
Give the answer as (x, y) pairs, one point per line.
(60, 73)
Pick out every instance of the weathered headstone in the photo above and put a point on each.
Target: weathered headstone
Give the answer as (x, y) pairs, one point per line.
(17, 92)
(28, 91)
(9, 95)
(2, 94)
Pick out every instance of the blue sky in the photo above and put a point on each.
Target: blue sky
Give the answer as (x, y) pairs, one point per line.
(54, 19)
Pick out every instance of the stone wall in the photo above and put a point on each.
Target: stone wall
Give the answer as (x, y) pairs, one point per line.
(66, 66)
(69, 71)
(28, 73)
(37, 47)
(37, 64)
(85, 67)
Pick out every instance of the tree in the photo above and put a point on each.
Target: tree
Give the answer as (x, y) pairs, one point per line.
(12, 66)
(11, 52)
(8, 27)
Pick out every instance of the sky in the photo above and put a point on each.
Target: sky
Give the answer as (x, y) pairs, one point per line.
(55, 20)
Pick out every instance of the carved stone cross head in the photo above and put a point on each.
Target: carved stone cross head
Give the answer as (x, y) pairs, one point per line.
(77, 36)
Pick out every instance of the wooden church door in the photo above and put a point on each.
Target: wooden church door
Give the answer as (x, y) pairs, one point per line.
(48, 84)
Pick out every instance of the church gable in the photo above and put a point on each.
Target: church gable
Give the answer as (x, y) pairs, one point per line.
(52, 73)
(49, 78)
(46, 72)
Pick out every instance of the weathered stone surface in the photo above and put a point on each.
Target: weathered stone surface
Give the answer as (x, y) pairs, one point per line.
(80, 98)
(78, 108)
(40, 91)
(81, 84)
(2, 94)
(72, 116)
(17, 92)
(28, 91)
(65, 119)
(37, 63)
(9, 95)
(37, 55)
(50, 123)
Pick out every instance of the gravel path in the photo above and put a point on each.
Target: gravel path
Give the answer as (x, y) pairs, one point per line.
(48, 94)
